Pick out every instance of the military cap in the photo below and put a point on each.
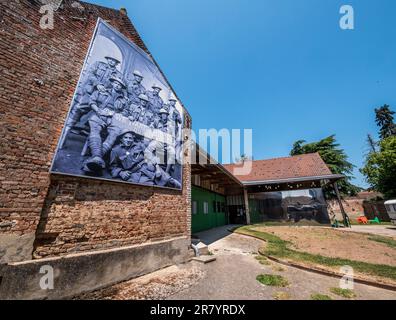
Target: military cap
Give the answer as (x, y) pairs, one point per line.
(143, 97)
(119, 80)
(163, 110)
(112, 58)
(125, 131)
(172, 99)
(137, 73)
(156, 86)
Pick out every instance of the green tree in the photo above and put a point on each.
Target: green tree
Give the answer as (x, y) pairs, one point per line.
(384, 119)
(243, 158)
(335, 158)
(380, 168)
(372, 144)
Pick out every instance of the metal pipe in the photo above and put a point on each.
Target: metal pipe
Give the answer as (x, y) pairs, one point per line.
(196, 250)
(347, 223)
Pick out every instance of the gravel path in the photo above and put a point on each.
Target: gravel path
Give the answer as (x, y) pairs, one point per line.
(381, 230)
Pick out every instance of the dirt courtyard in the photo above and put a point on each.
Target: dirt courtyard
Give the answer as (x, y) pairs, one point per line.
(336, 243)
(232, 276)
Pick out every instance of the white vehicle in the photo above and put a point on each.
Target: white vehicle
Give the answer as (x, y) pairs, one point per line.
(391, 209)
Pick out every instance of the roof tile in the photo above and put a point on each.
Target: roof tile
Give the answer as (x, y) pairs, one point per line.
(305, 165)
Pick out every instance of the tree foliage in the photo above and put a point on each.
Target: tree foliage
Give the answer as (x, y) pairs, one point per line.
(243, 158)
(380, 168)
(372, 144)
(380, 164)
(335, 158)
(384, 119)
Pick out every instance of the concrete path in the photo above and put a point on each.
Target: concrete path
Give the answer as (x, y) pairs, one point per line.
(382, 230)
(210, 236)
(233, 275)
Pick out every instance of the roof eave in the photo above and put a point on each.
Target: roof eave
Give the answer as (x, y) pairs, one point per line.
(333, 177)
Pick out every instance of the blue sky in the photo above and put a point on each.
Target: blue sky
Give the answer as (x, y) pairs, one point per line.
(283, 68)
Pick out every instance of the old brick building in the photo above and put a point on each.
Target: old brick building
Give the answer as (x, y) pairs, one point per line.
(93, 233)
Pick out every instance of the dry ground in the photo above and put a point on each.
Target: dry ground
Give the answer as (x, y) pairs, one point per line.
(233, 274)
(335, 243)
(154, 286)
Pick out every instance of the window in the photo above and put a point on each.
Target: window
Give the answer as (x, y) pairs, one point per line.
(197, 180)
(218, 206)
(206, 207)
(194, 207)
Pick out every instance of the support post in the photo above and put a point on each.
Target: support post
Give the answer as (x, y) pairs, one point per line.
(344, 214)
(247, 210)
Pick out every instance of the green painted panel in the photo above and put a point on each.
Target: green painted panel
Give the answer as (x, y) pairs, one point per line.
(212, 219)
(254, 212)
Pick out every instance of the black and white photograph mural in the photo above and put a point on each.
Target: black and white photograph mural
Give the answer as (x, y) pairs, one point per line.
(125, 122)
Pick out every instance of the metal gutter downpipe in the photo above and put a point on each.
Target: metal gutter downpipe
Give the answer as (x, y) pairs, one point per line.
(195, 248)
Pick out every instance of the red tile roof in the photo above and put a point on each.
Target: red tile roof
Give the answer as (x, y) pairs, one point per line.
(301, 166)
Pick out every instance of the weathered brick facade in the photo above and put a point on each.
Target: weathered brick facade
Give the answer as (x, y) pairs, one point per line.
(39, 70)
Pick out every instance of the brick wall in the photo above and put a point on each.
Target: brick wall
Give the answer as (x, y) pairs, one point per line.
(39, 70)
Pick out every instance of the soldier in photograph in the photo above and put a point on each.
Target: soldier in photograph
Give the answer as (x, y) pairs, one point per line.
(146, 116)
(175, 123)
(134, 113)
(166, 180)
(100, 74)
(156, 150)
(162, 150)
(156, 102)
(128, 163)
(163, 120)
(104, 104)
(125, 158)
(174, 116)
(135, 87)
(98, 78)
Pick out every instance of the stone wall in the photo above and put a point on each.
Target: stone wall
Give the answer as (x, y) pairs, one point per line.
(43, 215)
(352, 206)
(358, 206)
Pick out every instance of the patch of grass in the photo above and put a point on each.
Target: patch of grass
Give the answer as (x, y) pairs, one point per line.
(319, 296)
(288, 223)
(263, 260)
(281, 296)
(386, 240)
(272, 280)
(345, 293)
(279, 248)
(278, 268)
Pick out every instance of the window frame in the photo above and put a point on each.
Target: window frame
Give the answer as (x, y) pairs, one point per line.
(194, 205)
(205, 207)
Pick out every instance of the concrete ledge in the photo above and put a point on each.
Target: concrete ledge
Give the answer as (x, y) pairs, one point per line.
(204, 259)
(85, 272)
